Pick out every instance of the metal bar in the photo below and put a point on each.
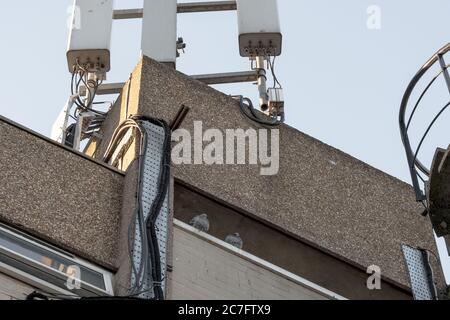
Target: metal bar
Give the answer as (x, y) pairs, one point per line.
(207, 6)
(444, 70)
(128, 14)
(178, 120)
(209, 79)
(231, 77)
(107, 88)
(182, 8)
(420, 196)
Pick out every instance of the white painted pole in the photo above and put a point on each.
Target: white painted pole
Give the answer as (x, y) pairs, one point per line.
(159, 30)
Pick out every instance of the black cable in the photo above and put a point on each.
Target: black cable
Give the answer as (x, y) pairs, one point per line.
(78, 102)
(163, 185)
(272, 69)
(149, 224)
(246, 104)
(431, 252)
(420, 100)
(138, 215)
(36, 296)
(150, 262)
(142, 270)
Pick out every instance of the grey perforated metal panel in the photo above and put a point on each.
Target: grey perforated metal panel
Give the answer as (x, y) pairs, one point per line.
(152, 167)
(421, 280)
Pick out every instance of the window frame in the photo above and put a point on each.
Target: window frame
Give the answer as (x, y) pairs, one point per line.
(44, 277)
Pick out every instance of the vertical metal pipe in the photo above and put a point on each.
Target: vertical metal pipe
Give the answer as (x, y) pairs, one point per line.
(262, 84)
(78, 132)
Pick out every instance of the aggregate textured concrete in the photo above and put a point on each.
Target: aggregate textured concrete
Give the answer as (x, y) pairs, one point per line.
(58, 195)
(321, 195)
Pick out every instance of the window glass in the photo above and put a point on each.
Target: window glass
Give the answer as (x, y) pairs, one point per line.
(49, 259)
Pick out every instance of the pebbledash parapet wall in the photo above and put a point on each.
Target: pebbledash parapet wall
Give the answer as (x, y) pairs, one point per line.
(320, 196)
(59, 195)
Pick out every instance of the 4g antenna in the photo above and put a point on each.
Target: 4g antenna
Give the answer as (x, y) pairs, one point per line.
(88, 54)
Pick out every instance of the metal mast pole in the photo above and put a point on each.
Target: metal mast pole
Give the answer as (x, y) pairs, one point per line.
(262, 84)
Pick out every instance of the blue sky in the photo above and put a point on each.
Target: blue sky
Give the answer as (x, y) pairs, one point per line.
(343, 82)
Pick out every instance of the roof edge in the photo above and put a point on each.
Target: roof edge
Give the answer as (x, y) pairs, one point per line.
(56, 144)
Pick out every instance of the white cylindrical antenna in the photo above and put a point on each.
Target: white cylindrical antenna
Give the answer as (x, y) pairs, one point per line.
(159, 30)
(259, 28)
(90, 36)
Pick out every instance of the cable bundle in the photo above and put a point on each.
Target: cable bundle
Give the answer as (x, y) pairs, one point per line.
(80, 76)
(150, 262)
(247, 109)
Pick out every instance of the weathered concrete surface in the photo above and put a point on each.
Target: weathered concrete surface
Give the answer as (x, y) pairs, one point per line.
(58, 195)
(321, 195)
